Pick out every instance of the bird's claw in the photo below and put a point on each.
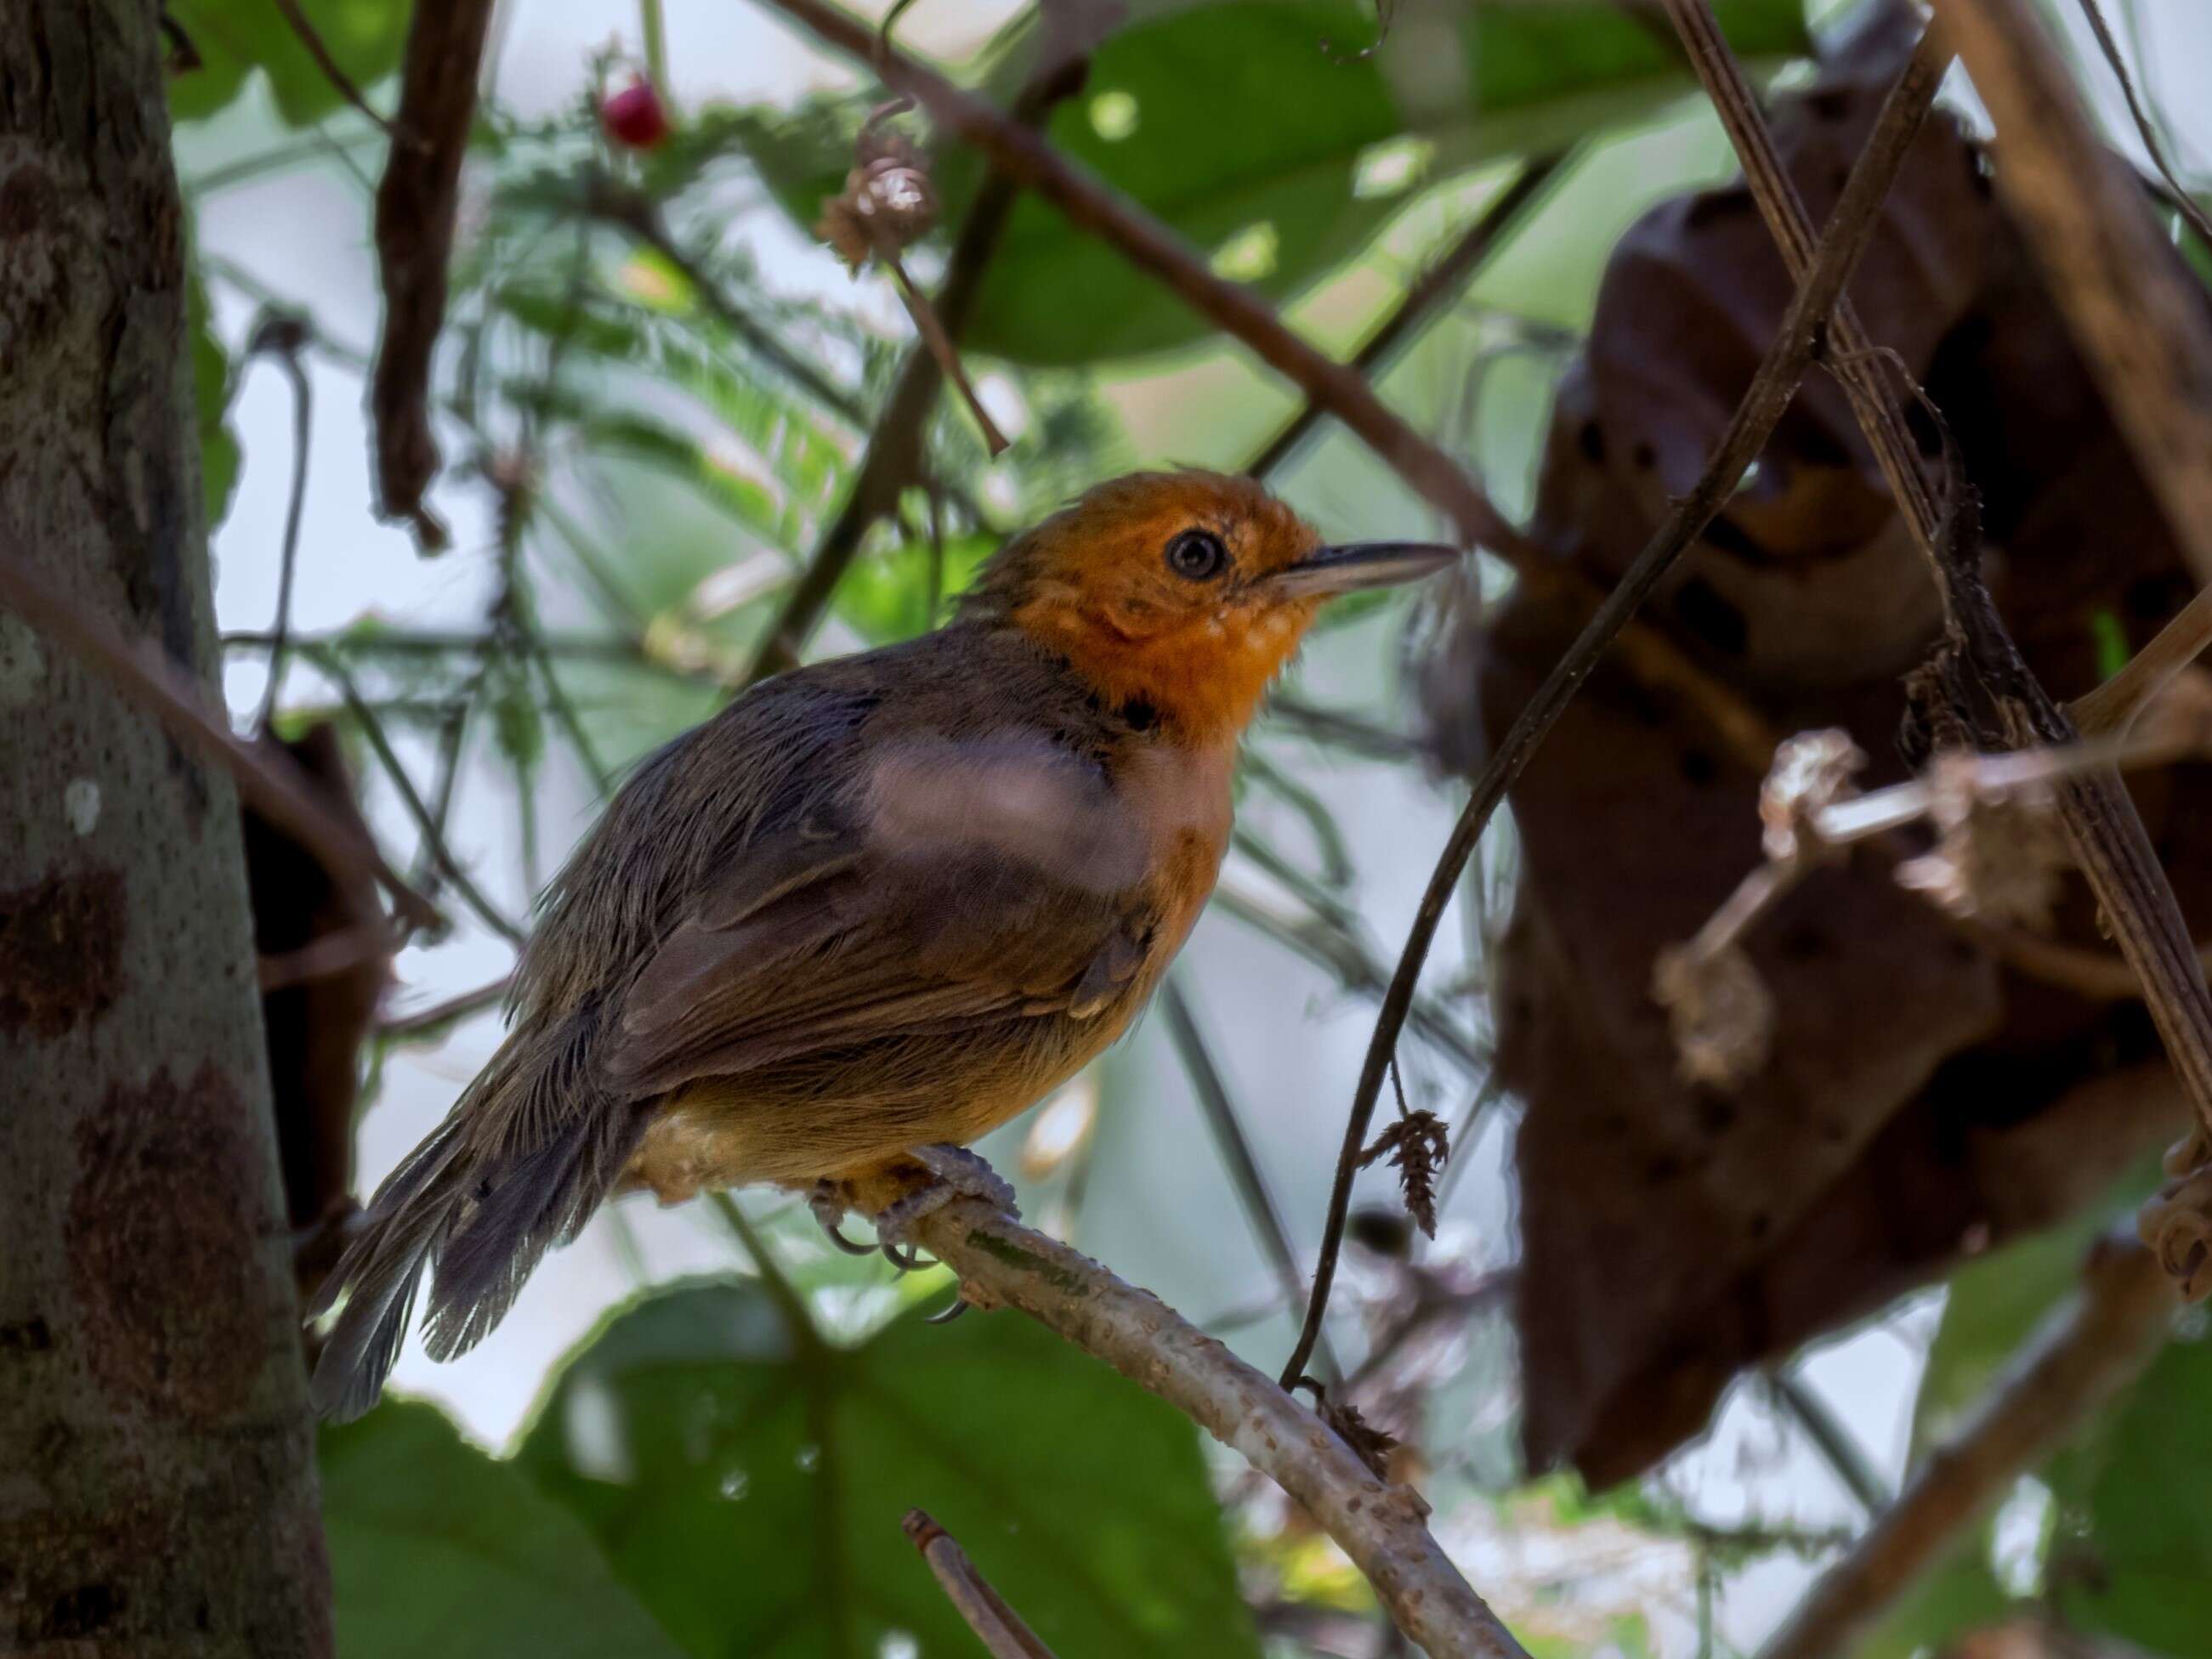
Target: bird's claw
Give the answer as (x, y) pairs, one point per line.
(954, 1172)
(829, 1208)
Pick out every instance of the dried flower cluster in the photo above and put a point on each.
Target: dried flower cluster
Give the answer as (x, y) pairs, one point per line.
(887, 205)
(1418, 1145)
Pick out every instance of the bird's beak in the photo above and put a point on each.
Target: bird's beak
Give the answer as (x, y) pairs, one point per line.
(1348, 568)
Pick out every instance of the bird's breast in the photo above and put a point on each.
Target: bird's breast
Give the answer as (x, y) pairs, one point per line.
(1179, 802)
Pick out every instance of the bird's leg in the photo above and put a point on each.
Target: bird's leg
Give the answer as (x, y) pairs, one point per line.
(947, 1173)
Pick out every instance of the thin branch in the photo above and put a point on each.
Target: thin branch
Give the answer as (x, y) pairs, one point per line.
(415, 205)
(1431, 291)
(433, 1020)
(1261, 1212)
(331, 71)
(282, 335)
(2035, 107)
(2183, 203)
(654, 28)
(1768, 397)
(2114, 1327)
(631, 210)
(1379, 1526)
(996, 1625)
(893, 460)
(1018, 153)
(270, 782)
(1843, 1454)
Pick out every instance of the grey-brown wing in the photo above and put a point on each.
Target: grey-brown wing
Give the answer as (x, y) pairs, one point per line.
(962, 881)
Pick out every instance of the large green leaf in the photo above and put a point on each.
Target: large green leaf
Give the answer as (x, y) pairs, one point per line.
(234, 38)
(1253, 129)
(437, 1549)
(748, 1484)
(2134, 1557)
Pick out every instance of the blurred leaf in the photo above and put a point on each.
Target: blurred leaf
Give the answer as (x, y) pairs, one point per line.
(1248, 128)
(364, 38)
(213, 381)
(747, 1486)
(886, 596)
(437, 1549)
(2134, 1555)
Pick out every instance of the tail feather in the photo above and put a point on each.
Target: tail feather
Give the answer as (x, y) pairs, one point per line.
(476, 1209)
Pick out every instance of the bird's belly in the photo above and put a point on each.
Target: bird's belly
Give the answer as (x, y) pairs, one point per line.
(839, 1114)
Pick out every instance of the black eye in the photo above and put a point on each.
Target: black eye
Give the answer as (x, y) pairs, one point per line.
(1197, 555)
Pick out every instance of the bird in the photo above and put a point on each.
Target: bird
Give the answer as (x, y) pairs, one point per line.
(871, 909)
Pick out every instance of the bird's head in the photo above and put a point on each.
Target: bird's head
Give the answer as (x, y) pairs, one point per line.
(1184, 591)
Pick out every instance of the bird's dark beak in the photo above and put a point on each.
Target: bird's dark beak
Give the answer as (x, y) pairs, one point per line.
(1348, 568)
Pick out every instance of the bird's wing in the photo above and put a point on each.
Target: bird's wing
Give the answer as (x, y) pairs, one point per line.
(963, 881)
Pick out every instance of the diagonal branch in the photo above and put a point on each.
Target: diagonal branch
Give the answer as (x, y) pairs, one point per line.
(1381, 1527)
(2105, 833)
(2100, 1344)
(1769, 396)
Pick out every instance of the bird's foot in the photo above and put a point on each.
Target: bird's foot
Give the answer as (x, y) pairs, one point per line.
(827, 1201)
(947, 1173)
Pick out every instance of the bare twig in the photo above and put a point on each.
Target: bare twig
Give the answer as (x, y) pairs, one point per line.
(1768, 396)
(428, 1022)
(2183, 203)
(2115, 1326)
(310, 39)
(268, 780)
(282, 335)
(1379, 1526)
(1261, 1212)
(997, 1625)
(2105, 833)
(932, 329)
(415, 209)
(1430, 291)
(1839, 1449)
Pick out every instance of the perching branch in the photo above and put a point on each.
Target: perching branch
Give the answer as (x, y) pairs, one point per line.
(996, 1625)
(1001, 1263)
(414, 208)
(2115, 1326)
(2105, 833)
(1768, 397)
(267, 778)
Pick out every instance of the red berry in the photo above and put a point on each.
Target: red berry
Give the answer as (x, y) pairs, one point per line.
(635, 116)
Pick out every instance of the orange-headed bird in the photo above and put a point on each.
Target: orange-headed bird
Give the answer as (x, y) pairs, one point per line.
(873, 910)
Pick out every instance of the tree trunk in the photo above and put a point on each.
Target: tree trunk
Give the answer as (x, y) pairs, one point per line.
(157, 1487)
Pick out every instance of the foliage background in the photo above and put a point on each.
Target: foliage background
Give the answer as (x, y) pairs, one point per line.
(721, 1468)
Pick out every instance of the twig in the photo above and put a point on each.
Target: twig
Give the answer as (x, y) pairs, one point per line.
(271, 782)
(1769, 395)
(2103, 828)
(1016, 151)
(655, 30)
(997, 1625)
(893, 459)
(2115, 1326)
(931, 327)
(336, 75)
(1379, 1526)
(415, 209)
(1435, 288)
(2183, 203)
(282, 335)
(425, 1022)
(1261, 1212)
(631, 210)
(1842, 1453)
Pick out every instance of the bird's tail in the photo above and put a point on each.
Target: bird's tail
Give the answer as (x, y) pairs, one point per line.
(531, 1150)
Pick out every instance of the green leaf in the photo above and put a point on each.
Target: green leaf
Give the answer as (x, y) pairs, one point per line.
(748, 1484)
(2135, 1555)
(437, 1549)
(1251, 130)
(364, 38)
(213, 381)
(886, 595)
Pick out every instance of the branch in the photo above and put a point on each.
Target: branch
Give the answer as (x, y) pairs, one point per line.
(270, 782)
(284, 335)
(1002, 1263)
(997, 1625)
(2114, 1327)
(1444, 278)
(336, 75)
(1761, 409)
(415, 209)
(2105, 833)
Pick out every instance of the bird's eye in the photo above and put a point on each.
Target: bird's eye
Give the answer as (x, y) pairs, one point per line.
(1197, 556)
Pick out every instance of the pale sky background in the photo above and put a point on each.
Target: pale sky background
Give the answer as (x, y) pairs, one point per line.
(1161, 1212)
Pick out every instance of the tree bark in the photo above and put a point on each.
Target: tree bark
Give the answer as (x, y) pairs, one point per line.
(157, 1487)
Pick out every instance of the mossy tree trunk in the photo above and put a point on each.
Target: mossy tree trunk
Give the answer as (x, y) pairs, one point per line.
(156, 1471)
